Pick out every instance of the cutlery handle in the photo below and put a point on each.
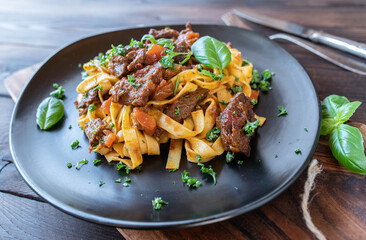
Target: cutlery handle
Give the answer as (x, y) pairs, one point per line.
(329, 55)
(343, 44)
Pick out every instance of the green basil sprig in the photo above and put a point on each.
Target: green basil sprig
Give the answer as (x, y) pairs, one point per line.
(346, 142)
(211, 53)
(49, 112)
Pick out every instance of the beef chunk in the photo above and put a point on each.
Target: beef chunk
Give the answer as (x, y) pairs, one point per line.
(137, 94)
(95, 130)
(169, 73)
(164, 33)
(186, 104)
(184, 41)
(91, 97)
(139, 57)
(118, 64)
(231, 123)
(164, 90)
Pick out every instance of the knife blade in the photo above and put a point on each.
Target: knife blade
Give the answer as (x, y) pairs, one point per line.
(343, 44)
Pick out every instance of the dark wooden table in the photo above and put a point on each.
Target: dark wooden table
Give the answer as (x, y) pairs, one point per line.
(32, 30)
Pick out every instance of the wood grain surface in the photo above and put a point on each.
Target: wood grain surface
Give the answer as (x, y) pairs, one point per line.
(32, 30)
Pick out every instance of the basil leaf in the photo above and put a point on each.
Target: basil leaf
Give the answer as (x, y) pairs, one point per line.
(335, 111)
(49, 112)
(346, 111)
(346, 143)
(211, 53)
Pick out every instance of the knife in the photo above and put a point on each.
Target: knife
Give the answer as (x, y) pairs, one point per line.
(343, 44)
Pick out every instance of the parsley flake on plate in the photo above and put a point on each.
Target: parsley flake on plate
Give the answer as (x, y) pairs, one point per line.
(158, 203)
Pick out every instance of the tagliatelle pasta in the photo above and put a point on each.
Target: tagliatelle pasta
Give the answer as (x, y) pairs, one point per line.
(125, 132)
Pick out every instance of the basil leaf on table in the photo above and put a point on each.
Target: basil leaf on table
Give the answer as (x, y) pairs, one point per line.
(346, 143)
(211, 53)
(49, 112)
(335, 111)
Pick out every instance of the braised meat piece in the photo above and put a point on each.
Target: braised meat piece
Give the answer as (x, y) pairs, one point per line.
(182, 108)
(138, 59)
(231, 123)
(164, 90)
(137, 91)
(96, 130)
(184, 41)
(118, 64)
(90, 97)
(169, 73)
(164, 33)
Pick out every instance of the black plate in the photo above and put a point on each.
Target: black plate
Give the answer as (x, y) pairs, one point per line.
(41, 156)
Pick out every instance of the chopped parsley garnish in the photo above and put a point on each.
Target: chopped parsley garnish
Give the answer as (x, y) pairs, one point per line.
(158, 203)
(131, 80)
(92, 107)
(235, 89)
(191, 181)
(174, 182)
(111, 124)
(168, 60)
(121, 165)
(125, 185)
(173, 170)
(127, 179)
(85, 94)
(69, 165)
(101, 140)
(81, 163)
(223, 102)
(262, 81)
(245, 62)
(205, 170)
(118, 180)
(119, 50)
(283, 111)
(59, 92)
(176, 85)
(250, 127)
(75, 144)
(236, 79)
(99, 87)
(297, 151)
(149, 37)
(240, 162)
(306, 130)
(96, 162)
(95, 147)
(213, 134)
(139, 168)
(229, 157)
(70, 126)
(156, 190)
(177, 111)
(276, 156)
(207, 73)
(199, 158)
(233, 112)
(94, 132)
(101, 183)
(254, 101)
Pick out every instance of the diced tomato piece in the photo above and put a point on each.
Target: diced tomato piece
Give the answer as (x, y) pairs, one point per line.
(146, 121)
(254, 95)
(110, 139)
(106, 106)
(154, 54)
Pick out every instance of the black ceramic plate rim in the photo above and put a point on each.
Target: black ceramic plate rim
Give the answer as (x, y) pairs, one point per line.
(160, 225)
